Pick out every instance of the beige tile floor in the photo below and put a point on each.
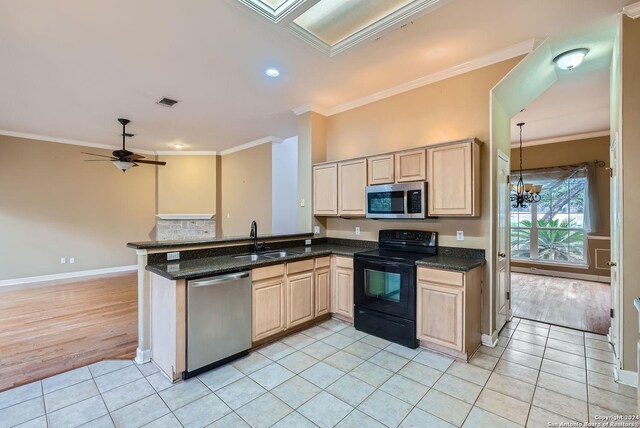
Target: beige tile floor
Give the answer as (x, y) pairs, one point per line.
(332, 375)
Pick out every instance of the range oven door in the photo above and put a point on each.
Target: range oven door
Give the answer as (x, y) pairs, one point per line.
(385, 287)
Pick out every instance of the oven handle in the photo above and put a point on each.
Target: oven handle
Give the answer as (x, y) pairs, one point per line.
(385, 263)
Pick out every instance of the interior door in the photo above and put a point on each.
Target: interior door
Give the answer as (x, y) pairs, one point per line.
(503, 245)
(614, 331)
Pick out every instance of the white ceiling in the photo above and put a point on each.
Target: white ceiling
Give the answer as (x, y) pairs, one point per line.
(71, 67)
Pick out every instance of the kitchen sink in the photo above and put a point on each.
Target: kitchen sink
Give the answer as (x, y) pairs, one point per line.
(252, 257)
(280, 254)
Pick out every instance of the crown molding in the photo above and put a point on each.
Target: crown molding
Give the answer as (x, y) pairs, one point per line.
(308, 108)
(562, 139)
(412, 10)
(186, 153)
(273, 15)
(50, 139)
(632, 11)
(250, 144)
(509, 52)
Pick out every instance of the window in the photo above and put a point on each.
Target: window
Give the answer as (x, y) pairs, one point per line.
(553, 230)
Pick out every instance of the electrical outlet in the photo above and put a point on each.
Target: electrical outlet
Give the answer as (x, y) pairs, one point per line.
(357, 230)
(316, 230)
(307, 242)
(173, 256)
(63, 260)
(460, 235)
(302, 202)
(72, 260)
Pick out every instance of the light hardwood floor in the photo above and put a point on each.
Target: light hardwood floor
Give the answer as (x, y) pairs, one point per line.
(52, 327)
(582, 305)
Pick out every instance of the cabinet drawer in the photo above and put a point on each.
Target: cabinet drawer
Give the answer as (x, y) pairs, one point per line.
(323, 262)
(438, 276)
(345, 262)
(267, 272)
(301, 266)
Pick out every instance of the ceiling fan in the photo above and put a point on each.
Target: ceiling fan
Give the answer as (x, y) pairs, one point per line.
(123, 159)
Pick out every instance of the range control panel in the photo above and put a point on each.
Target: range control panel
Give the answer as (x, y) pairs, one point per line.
(409, 236)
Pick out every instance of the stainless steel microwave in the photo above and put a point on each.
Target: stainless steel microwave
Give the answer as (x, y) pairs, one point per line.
(404, 200)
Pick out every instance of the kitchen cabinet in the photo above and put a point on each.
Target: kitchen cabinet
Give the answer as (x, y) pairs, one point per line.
(322, 281)
(411, 166)
(300, 293)
(381, 169)
(268, 301)
(352, 181)
(342, 288)
(448, 310)
(325, 189)
(453, 176)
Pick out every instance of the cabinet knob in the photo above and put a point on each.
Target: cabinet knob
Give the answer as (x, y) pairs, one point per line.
(612, 264)
(502, 255)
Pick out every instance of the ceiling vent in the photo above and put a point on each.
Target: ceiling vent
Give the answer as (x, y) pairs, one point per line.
(167, 102)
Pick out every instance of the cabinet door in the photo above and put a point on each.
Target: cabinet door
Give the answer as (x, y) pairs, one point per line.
(440, 315)
(323, 291)
(300, 306)
(453, 176)
(352, 180)
(325, 189)
(342, 287)
(381, 169)
(268, 302)
(411, 166)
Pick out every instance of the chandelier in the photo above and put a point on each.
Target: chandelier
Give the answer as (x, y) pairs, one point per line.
(525, 193)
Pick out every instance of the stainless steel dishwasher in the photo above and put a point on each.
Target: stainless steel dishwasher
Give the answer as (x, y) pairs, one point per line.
(218, 321)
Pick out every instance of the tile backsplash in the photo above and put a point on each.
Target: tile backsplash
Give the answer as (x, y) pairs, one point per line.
(170, 230)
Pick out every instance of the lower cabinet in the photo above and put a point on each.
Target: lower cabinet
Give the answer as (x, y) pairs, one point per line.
(299, 293)
(291, 294)
(448, 310)
(322, 280)
(342, 288)
(268, 302)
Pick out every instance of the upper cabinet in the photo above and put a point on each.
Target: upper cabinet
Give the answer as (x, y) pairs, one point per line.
(411, 166)
(352, 180)
(453, 175)
(325, 189)
(381, 169)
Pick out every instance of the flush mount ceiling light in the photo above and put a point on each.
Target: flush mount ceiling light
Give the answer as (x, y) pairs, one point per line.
(178, 146)
(272, 72)
(570, 59)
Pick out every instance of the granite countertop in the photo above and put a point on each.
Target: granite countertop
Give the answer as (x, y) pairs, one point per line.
(451, 263)
(150, 245)
(207, 266)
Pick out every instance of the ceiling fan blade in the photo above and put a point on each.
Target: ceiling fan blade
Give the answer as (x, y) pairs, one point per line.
(100, 160)
(135, 156)
(95, 154)
(150, 162)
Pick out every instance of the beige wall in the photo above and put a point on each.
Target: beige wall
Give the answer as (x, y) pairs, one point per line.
(187, 185)
(631, 191)
(448, 110)
(53, 205)
(571, 153)
(246, 191)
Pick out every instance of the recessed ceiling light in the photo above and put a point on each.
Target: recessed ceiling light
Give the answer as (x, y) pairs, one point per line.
(570, 59)
(178, 146)
(272, 72)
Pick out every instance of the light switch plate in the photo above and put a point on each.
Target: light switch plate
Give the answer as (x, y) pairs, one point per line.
(357, 230)
(316, 230)
(460, 235)
(302, 202)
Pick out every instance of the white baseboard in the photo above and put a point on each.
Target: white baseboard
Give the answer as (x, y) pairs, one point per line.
(66, 275)
(490, 340)
(626, 377)
(143, 355)
(570, 275)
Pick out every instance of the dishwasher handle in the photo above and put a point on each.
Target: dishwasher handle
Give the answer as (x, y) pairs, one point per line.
(219, 279)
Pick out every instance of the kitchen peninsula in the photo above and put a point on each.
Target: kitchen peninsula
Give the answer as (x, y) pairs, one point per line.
(295, 284)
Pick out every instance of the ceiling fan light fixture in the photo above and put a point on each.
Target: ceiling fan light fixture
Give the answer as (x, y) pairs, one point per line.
(123, 166)
(570, 59)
